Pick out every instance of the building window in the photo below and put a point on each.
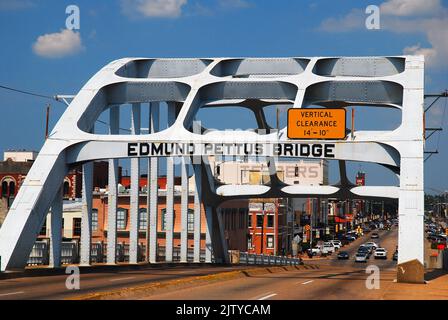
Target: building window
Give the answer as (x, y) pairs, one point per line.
(43, 231)
(12, 188)
(121, 218)
(94, 219)
(4, 189)
(190, 220)
(218, 170)
(249, 241)
(142, 219)
(270, 241)
(259, 220)
(164, 225)
(76, 227)
(270, 222)
(66, 189)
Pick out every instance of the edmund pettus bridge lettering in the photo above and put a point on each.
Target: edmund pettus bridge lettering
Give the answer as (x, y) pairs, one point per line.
(316, 150)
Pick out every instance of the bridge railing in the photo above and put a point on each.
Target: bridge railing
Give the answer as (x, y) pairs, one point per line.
(262, 259)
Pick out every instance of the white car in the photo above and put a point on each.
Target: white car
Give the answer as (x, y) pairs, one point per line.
(372, 244)
(315, 251)
(336, 243)
(361, 257)
(328, 248)
(380, 253)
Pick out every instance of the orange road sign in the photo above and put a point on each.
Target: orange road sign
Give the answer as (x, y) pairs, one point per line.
(316, 123)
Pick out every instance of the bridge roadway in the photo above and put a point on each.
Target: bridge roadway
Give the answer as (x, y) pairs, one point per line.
(334, 279)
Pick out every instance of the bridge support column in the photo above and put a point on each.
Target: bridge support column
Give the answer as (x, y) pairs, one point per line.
(184, 212)
(169, 214)
(113, 192)
(222, 238)
(135, 182)
(197, 213)
(86, 220)
(56, 229)
(208, 234)
(153, 188)
(410, 266)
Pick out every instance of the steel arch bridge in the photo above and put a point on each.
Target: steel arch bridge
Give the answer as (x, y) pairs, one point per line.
(187, 85)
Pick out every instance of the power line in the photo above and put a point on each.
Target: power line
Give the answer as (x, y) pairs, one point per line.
(28, 92)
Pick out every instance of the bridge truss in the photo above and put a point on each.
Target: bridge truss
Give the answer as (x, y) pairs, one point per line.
(186, 86)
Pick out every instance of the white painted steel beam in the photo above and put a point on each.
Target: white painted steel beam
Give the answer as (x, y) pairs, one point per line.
(153, 187)
(208, 234)
(197, 213)
(86, 219)
(112, 200)
(169, 214)
(184, 211)
(134, 193)
(56, 229)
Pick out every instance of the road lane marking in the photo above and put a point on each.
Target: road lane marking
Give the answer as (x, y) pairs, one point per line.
(121, 279)
(306, 282)
(11, 293)
(268, 296)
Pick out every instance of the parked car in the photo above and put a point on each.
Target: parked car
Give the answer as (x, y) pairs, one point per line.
(336, 243)
(343, 255)
(328, 248)
(314, 251)
(374, 235)
(361, 257)
(380, 253)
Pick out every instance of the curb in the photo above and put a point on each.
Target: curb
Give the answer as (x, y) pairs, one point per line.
(147, 289)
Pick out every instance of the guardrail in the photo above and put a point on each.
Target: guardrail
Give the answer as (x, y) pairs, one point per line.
(261, 259)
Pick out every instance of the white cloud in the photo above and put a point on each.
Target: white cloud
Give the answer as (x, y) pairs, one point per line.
(410, 7)
(10, 5)
(57, 45)
(353, 20)
(153, 8)
(404, 16)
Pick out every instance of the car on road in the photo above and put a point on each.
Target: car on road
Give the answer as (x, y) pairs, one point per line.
(361, 257)
(328, 247)
(374, 235)
(380, 253)
(365, 251)
(366, 247)
(395, 256)
(336, 243)
(343, 255)
(372, 244)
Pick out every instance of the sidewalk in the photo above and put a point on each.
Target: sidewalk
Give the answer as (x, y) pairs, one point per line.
(436, 288)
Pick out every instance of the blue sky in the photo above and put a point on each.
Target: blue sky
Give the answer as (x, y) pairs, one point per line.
(197, 28)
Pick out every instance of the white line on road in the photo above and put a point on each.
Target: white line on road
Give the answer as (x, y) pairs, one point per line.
(120, 279)
(11, 293)
(306, 282)
(268, 296)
